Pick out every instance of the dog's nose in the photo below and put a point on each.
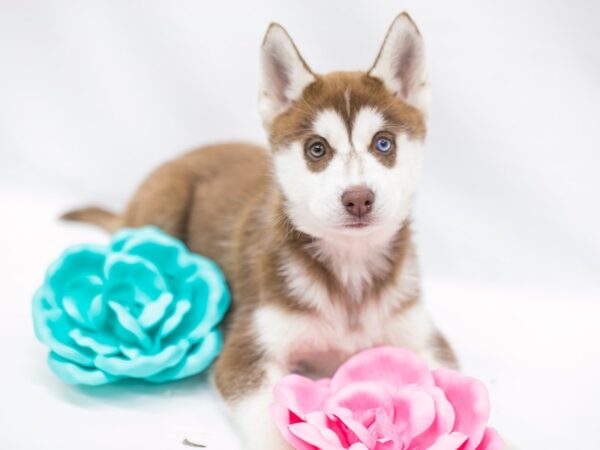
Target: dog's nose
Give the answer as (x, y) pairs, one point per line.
(358, 201)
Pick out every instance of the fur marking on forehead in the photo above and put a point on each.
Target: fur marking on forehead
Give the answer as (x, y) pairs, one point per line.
(367, 122)
(330, 125)
(346, 93)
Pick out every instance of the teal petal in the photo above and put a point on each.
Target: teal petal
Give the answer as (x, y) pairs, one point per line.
(144, 365)
(155, 246)
(130, 352)
(97, 312)
(74, 374)
(198, 359)
(217, 304)
(155, 311)
(173, 321)
(130, 324)
(193, 319)
(78, 296)
(101, 345)
(70, 307)
(122, 269)
(52, 328)
(76, 262)
(210, 302)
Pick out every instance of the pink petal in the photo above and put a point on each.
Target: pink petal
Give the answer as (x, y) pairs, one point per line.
(301, 395)
(346, 436)
(443, 423)
(358, 430)
(358, 446)
(281, 415)
(360, 398)
(384, 444)
(317, 418)
(394, 366)
(414, 412)
(451, 441)
(491, 440)
(390, 436)
(322, 438)
(470, 401)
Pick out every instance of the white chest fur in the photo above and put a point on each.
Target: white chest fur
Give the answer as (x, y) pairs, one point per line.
(317, 342)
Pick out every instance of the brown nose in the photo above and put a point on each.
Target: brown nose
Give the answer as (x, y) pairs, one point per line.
(358, 201)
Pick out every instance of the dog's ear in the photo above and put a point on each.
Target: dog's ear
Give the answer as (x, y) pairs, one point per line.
(400, 63)
(284, 73)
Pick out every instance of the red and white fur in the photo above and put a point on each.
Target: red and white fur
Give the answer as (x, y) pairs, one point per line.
(314, 280)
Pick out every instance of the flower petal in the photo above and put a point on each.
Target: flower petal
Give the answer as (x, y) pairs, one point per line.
(75, 262)
(154, 246)
(491, 440)
(414, 412)
(300, 395)
(75, 374)
(97, 312)
(443, 423)
(358, 446)
(99, 344)
(281, 416)
(394, 366)
(470, 401)
(211, 290)
(172, 322)
(154, 311)
(78, 298)
(320, 420)
(143, 278)
(452, 441)
(130, 325)
(52, 327)
(130, 352)
(209, 299)
(361, 397)
(356, 431)
(143, 365)
(322, 438)
(198, 359)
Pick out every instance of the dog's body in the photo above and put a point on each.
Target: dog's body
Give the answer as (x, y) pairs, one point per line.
(314, 235)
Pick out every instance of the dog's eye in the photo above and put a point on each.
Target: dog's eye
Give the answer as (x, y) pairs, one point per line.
(384, 145)
(317, 150)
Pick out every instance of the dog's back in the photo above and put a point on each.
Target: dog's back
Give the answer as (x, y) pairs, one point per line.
(199, 198)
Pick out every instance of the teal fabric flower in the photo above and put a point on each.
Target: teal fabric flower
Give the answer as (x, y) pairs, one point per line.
(143, 307)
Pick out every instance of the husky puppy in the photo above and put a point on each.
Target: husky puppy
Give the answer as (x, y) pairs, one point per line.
(312, 233)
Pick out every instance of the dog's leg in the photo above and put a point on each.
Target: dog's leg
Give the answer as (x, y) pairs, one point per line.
(251, 416)
(245, 377)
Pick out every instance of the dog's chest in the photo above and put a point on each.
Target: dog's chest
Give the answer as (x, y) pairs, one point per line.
(315, 344)
(341, 322)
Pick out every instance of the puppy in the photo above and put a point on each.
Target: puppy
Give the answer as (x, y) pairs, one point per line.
(314, 233)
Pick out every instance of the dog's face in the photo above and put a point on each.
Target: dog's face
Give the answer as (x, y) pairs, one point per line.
(347, 146)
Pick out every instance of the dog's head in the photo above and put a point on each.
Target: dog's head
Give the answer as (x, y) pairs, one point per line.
(347, 146)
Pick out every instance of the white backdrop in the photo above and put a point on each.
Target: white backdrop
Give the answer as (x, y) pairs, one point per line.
(95, 94)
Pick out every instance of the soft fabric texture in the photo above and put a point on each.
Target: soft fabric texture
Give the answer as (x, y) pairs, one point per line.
(385, 399)
(143, 307)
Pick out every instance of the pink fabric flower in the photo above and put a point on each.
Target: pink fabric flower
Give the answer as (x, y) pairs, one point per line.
(385, 399)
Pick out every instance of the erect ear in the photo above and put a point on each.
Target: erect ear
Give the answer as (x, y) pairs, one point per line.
(400, 63)
(284, 73)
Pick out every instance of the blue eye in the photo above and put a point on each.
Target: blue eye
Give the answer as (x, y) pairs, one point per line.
(383, 145)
